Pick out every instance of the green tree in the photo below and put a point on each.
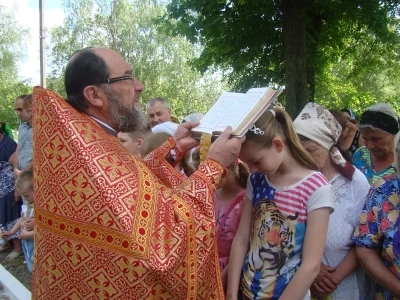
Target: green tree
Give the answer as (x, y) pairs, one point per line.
(161, 62)
(368, 73)
(288, 42)
(12, 38)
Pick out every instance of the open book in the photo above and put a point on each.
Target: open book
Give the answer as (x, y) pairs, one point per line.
(237, 110)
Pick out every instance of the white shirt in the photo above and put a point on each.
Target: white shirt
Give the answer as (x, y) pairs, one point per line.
(350, 198)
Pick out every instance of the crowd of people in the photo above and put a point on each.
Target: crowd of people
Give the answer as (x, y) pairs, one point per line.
(16, 191)
(125, 209)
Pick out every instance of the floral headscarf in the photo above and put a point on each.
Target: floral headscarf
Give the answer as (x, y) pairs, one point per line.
(318, 125)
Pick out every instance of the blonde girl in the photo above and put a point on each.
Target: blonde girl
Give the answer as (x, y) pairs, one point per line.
(285, 214)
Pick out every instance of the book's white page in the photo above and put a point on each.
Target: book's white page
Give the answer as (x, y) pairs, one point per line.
(230, 109)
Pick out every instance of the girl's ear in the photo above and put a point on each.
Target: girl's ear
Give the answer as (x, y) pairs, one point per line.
(278, 143)
(225, 173)
(139, 143)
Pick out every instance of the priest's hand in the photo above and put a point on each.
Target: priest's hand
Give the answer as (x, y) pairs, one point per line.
(183, 136)
(225, 149)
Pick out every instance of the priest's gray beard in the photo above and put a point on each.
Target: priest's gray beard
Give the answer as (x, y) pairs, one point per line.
(125, 118)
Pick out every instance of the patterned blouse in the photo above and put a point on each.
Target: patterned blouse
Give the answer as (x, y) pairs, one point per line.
(378, 226)
(7, 148)
(362, 161)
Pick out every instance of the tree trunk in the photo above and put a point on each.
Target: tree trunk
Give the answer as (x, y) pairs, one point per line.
(315, 22)
(294, 31)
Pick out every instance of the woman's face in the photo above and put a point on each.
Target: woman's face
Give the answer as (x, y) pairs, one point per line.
(346, 114)
(378, 142)
(318, 153)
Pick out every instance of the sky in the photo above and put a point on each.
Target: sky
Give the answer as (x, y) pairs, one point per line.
(28, 17)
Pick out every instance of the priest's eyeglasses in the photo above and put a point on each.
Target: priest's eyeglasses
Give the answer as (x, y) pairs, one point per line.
(120, 78)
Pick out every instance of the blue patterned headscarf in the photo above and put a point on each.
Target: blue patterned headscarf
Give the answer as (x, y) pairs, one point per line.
(350, 112)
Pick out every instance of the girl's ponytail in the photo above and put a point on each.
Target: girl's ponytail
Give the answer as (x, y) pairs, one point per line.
(242, 173)
(293, 142)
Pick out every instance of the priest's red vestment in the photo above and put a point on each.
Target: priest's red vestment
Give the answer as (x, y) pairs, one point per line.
(111, 226)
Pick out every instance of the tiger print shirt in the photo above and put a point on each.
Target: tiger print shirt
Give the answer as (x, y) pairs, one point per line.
(278, 230)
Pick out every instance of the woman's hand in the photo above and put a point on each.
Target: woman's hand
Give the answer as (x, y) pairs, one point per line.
(317, 295)
(325, 283)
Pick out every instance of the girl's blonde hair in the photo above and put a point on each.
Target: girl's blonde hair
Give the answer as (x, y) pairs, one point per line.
(280, 123)
(241, 171)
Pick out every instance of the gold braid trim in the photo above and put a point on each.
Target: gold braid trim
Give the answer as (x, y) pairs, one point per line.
(205, 144)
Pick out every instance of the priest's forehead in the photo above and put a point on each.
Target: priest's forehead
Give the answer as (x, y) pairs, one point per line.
(116, 65)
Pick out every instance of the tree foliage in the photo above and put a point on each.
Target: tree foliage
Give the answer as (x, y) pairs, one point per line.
(12, 38)
(161, 62)
(367, 74)
(257, 42)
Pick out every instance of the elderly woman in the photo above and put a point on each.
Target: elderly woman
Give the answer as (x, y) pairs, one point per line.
(340, 276)
(378, 126)
(378, 234)
(9, 210)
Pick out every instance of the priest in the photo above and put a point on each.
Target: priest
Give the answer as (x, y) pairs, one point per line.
(110, 225)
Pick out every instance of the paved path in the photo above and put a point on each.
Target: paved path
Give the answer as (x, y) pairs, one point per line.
(17, 268)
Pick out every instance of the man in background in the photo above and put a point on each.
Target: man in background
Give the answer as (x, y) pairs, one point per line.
(19, 108)
(158, 111)
(23, 155)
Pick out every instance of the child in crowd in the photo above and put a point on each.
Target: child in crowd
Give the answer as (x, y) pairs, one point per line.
(132, 140)
(229, 200)
(24, 186)
(151, 141)
(274, 254)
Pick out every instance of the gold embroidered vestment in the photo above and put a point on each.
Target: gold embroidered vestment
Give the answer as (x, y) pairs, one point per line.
(111, 226)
